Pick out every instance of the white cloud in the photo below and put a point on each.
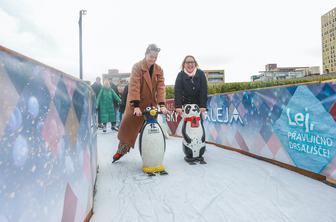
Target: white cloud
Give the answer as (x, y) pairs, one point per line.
(10, 33)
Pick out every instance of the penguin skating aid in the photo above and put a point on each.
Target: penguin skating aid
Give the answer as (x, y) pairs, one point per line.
(193, 134)
(152, 143)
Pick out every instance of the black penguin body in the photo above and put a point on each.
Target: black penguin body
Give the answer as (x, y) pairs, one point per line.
(193, 133)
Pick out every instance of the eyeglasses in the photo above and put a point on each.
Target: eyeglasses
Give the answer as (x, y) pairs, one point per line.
(189, 62)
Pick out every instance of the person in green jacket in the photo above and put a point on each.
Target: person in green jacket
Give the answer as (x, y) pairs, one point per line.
(105, 101)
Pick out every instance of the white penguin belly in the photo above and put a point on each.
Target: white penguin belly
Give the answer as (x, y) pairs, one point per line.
(195, 134)
(152, 145)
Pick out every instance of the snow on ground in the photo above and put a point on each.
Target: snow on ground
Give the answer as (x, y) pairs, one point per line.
(231, 188)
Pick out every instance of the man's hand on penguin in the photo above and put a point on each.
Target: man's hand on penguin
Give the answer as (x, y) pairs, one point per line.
(164, 110)
(137, 111)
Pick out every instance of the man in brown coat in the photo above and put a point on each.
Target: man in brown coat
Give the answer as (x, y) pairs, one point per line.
(146, 88)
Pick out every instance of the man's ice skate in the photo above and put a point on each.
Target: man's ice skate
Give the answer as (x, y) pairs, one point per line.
(122, 150)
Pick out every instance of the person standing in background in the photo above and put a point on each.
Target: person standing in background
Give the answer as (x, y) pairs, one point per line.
(122, 105)
(105, 103)
(116, 105)
(96, 86)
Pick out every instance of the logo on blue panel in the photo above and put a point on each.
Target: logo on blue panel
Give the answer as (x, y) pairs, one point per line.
(223, 111)
(307, 131)
(220, 115)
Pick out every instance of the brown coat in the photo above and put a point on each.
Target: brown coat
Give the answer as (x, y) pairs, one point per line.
(148, 92)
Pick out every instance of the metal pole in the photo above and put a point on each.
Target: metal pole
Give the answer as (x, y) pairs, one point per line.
(81, 12)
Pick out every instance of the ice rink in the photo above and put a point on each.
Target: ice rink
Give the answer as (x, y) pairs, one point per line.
(231, 188)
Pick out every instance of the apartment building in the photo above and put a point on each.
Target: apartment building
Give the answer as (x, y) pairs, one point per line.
(117, 77)
(328, 29)
(215, 76)
(273, 72)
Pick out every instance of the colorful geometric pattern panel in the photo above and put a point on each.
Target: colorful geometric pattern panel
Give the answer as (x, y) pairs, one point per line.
(48, 144)
(292, 124)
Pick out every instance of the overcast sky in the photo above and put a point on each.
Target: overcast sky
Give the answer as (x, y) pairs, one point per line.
(239, 36)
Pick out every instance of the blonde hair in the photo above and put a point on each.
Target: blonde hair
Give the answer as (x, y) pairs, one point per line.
(185, 58)
(107, 83)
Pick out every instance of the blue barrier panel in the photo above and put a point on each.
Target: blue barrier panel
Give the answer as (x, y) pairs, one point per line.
(294, 124)
(48, 142)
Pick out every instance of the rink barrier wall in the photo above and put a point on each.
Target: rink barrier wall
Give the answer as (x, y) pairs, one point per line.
(48, 142)
(291, 126)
